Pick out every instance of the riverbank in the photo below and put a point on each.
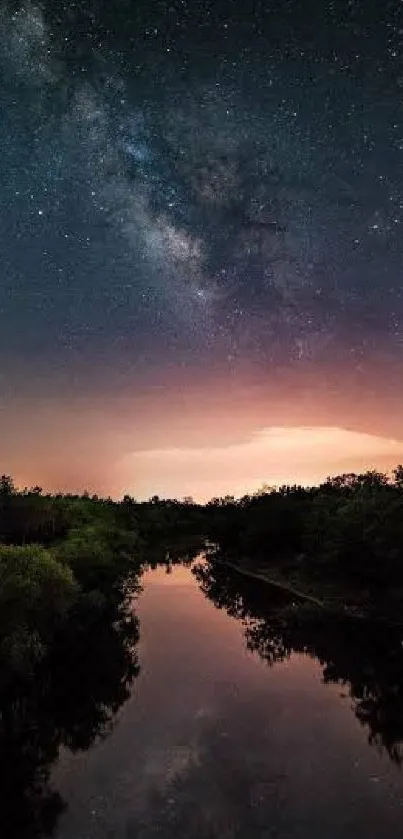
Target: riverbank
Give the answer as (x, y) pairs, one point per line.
(265, 578)
(326, 596)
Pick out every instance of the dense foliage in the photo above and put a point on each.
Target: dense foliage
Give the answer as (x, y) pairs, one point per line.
(349, 530)
(56, 554)
(68, 565)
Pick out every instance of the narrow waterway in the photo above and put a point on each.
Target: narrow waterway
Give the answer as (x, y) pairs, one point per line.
(218, 741)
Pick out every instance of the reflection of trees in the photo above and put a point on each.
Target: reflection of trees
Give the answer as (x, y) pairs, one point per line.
(172, 554)
(71, 699)
(366, 657)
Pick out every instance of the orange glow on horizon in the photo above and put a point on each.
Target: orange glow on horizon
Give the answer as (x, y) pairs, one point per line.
(273, 455)
(207, 437)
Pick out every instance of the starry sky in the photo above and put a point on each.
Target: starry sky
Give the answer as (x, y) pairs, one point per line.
(201, 243)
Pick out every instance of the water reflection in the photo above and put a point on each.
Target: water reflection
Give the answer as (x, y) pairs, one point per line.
(365, 657)
(204, 750)
(222, 791)
(71, 700)
(174, 554)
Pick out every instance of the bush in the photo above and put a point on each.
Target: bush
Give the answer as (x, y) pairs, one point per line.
(36, 592)
(98, 554)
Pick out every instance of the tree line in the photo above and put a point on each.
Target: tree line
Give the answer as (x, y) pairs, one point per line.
(346, 532)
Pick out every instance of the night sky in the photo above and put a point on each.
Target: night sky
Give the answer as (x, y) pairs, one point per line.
(201, 243)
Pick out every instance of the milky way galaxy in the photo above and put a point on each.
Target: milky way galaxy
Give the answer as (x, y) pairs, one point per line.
(199, 187)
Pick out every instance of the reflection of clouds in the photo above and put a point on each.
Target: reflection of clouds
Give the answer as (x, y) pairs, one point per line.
(165, 765)
(230, 791)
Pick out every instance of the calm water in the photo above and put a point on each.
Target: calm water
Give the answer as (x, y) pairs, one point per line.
(228, 732)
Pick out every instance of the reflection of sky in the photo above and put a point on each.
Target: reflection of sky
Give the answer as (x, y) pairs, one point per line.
(215, 740)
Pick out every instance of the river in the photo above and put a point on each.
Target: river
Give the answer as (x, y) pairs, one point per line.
(214, 742)
(233, 729)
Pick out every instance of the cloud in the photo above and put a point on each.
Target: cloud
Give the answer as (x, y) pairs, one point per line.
(273, 455)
